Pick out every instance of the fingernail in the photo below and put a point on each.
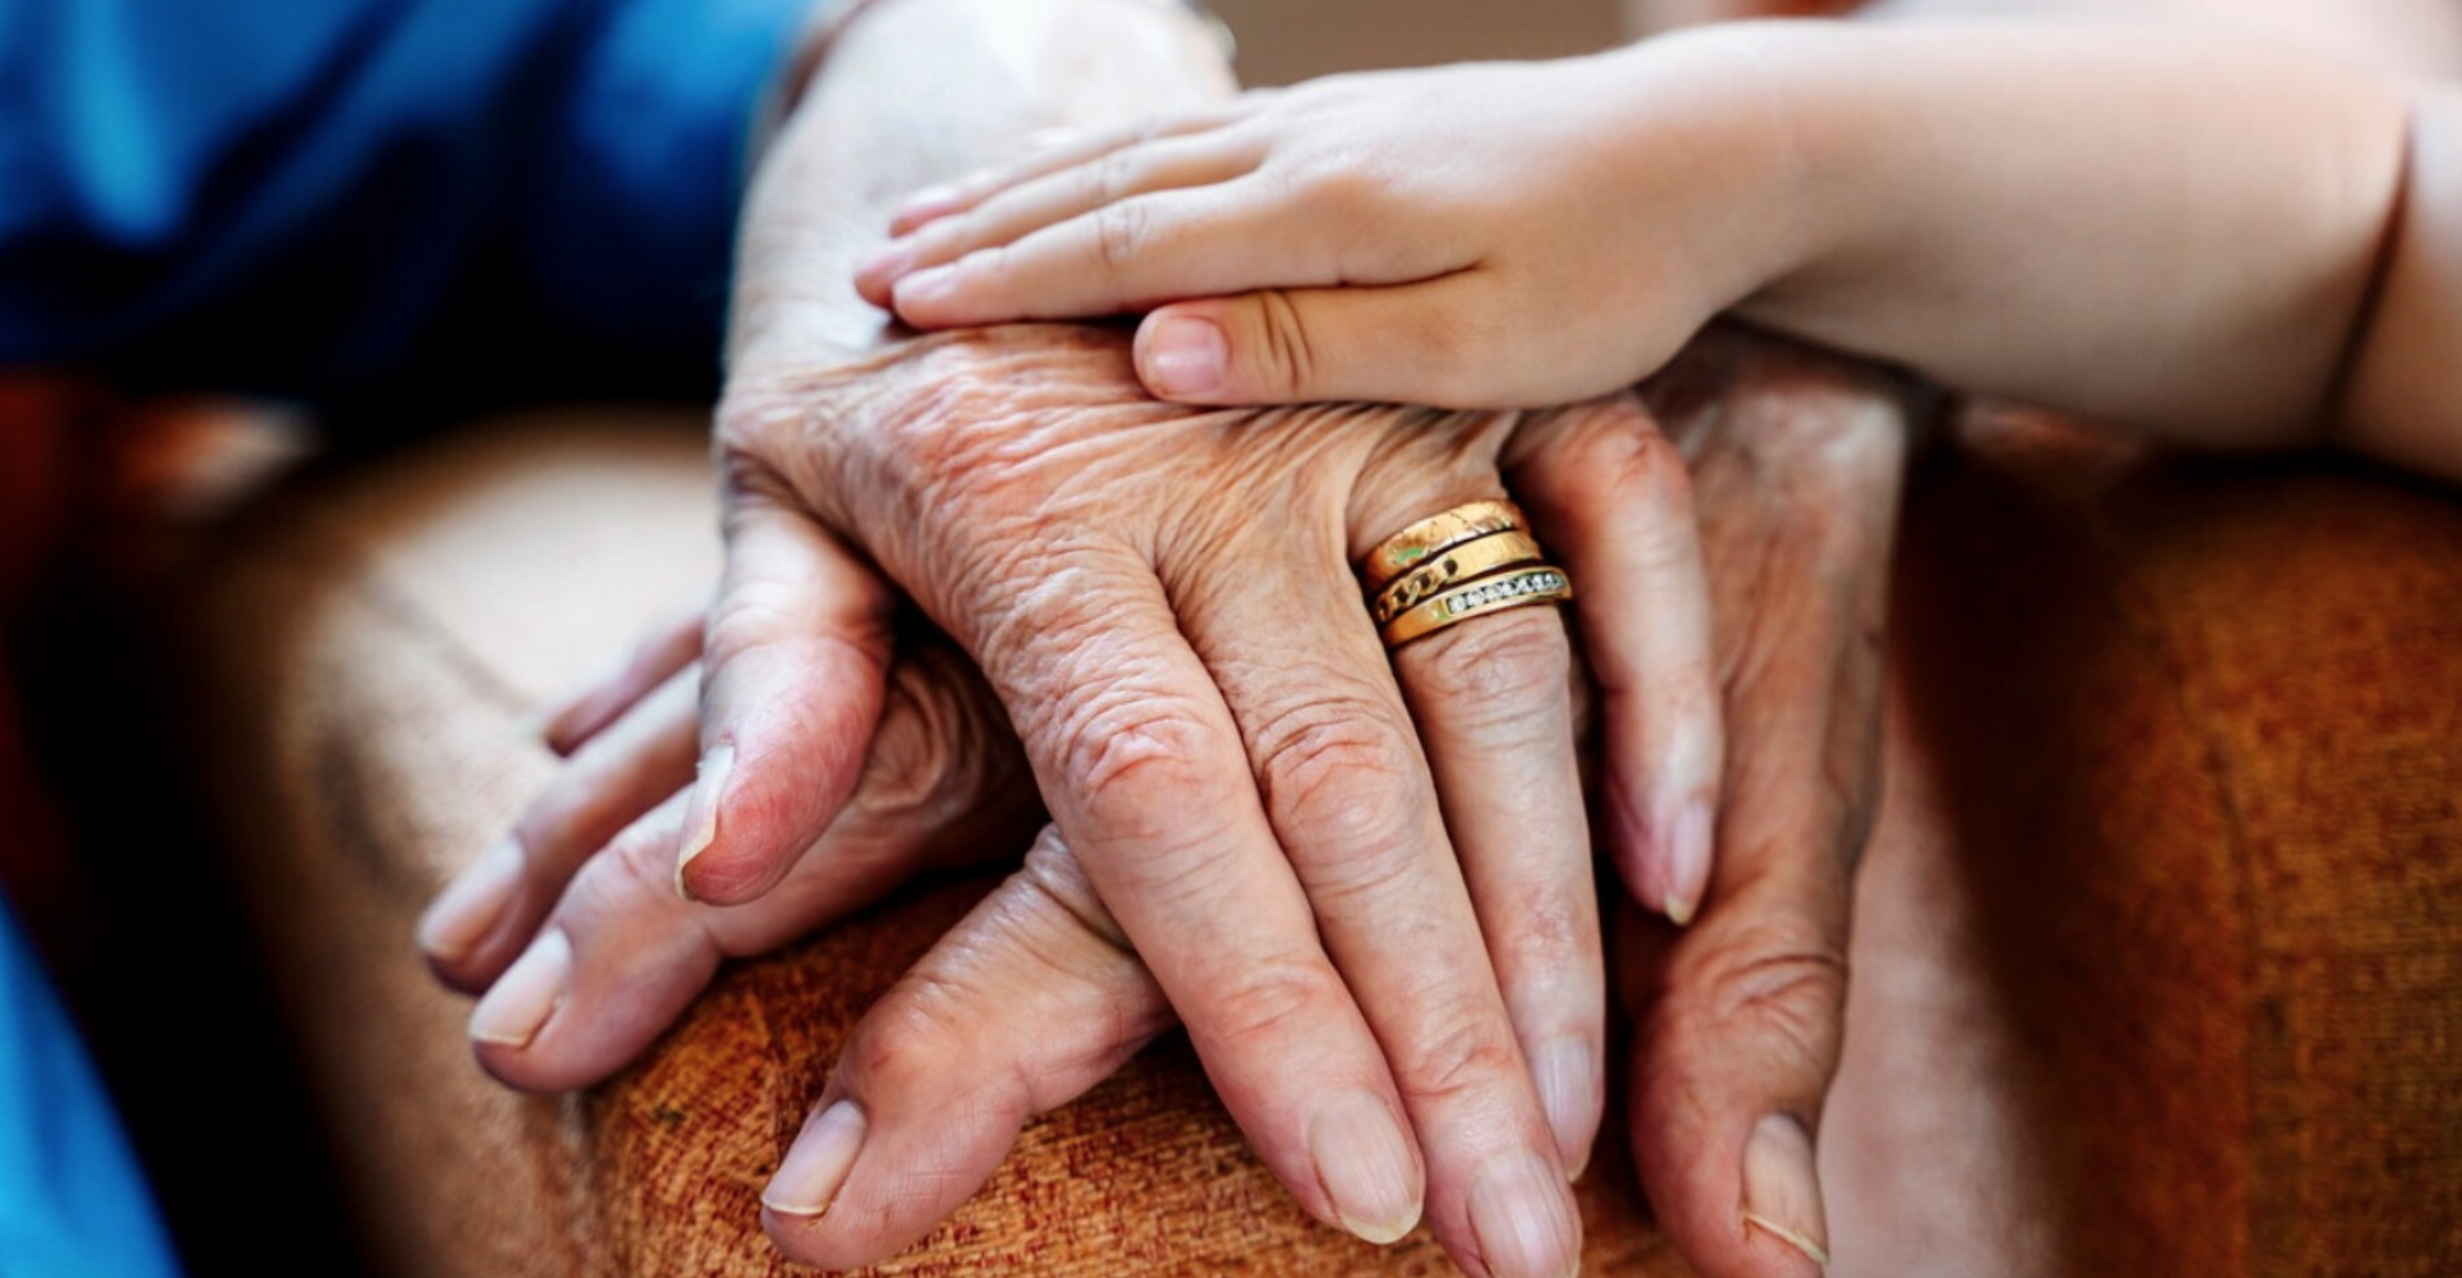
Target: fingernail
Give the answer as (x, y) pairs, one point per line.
(929, 286)
(816, 1166)
(1566, 1072)
(1688, 860)
(1782, 1191)
(1183, 356)
(701, 814)
(463, 914)
(526, 995)
(1365, 1167)
(1522, 1216)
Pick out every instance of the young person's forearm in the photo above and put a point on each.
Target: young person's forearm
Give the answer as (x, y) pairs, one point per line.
(2144, 226)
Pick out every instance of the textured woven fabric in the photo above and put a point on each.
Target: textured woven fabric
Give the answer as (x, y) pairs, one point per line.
(2202, 722)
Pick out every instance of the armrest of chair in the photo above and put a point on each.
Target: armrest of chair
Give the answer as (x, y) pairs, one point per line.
(2196, 726)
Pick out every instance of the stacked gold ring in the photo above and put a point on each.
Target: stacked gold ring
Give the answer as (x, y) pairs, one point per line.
(1469, 561)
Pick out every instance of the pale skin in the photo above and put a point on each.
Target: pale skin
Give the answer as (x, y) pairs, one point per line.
(2215, 237)
(584, 950)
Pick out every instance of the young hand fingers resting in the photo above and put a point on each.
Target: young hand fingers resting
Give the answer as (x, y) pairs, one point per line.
(1495, 235)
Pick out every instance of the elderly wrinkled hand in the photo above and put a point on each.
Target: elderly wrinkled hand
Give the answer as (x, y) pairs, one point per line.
(1389, 989)
(1036, 997)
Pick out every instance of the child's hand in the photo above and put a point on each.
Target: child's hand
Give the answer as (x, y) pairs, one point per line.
(1489, 235)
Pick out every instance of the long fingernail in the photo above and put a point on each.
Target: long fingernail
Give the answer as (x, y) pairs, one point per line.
(1688, 860)
(815, 1168)
(1566, 1072)
(1365, 1167)
(1522, 1216)
(701, 814)
(1782, 1191)
(1182, 356)
(527, 994)
(466, 911)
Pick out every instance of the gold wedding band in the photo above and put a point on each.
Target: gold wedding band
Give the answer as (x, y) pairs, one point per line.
(1454, 565)
(1436, 534)
(1540, 585)
(1451, 567)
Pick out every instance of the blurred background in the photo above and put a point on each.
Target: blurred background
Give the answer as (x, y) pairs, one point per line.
(1286, 40)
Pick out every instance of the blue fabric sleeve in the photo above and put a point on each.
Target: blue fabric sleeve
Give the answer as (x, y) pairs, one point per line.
(73, 1201)
(294, 194)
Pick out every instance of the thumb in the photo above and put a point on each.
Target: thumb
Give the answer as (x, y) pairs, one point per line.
(793, 677)
(1737, 1037)
(1738, 1021)
(1421, 343)
(1022, 1007)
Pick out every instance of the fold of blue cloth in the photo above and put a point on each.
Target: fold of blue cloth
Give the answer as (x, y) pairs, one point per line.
(74, 1202)
(290, 195)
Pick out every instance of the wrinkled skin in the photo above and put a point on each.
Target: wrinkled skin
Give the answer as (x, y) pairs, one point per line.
(1735, 1017)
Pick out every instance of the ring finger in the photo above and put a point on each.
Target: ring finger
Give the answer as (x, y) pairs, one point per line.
(1353, 805)
(1489, 695)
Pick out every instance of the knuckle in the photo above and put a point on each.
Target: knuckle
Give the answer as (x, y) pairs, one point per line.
(1131, 747)
(1135, 760)
(1113, 176)
(1460, 1056)
(1273, 1003)
(1787, 991)
(1120, 233)
(1341, 781)
(919, 1028)
(1550, 938)
(1512, 666)
(1284, 356)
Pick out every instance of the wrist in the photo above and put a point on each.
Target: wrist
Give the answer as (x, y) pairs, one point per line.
(1758, 195)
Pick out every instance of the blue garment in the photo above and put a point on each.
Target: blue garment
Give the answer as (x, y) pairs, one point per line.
(319, 197)
(302, 195)
(73, 1202)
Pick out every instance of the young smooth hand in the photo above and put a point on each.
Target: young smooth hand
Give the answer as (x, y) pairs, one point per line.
(1488, 235)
